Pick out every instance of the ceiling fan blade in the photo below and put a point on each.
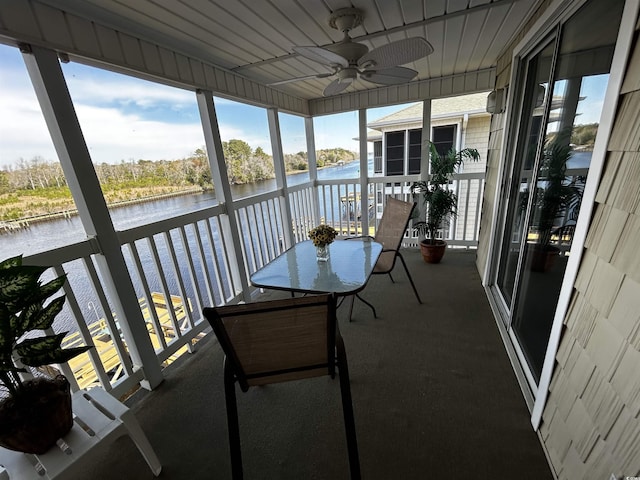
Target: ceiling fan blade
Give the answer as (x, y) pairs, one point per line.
(335, 87)
(300, 79)
(389, 76)
(322, 55)
(396, 53)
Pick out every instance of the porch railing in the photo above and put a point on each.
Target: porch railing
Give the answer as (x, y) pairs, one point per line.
(181, 264)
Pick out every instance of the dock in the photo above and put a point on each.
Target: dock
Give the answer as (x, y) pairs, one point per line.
(105, 346)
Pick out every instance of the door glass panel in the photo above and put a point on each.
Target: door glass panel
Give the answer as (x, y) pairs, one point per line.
(535, 95)
(580, 81)
(553, 169)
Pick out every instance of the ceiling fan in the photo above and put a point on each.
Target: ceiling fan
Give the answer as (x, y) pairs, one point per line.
(350, 60)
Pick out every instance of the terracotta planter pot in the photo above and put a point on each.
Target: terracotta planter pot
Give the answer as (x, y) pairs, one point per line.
(41, 415)
(433, 253)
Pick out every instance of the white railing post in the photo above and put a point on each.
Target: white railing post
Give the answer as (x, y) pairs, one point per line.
(281, 176)
(313, 165)
(223, 189)
(59, 113)
(364, 173)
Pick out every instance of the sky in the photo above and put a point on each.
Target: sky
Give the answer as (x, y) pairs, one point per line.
(126, 119)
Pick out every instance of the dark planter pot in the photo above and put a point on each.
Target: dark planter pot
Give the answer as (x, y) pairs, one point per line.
(543, 258)
(33, 422)
(432, 253)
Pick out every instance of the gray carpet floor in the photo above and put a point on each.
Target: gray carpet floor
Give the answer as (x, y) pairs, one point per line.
(433, 391)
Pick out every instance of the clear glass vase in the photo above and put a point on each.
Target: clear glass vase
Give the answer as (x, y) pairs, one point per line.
(322, 253)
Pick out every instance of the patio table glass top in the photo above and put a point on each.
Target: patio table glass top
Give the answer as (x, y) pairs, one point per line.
(346, 272)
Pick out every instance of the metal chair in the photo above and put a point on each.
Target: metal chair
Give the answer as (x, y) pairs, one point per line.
(278, 341)
(390, 232)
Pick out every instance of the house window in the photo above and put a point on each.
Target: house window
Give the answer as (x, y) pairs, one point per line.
(415, 147)
(377, 156)
(444, 138)
(395, 153)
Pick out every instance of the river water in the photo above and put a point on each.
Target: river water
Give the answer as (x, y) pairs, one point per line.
(52, 234)
(56, 233)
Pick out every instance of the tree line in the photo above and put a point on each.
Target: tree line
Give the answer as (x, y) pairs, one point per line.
(38, 186)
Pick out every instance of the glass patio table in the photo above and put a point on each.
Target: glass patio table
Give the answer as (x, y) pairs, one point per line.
(345, 273)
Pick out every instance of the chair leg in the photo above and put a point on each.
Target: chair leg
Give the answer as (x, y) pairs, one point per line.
(232, 423)
(347, 409)
(410, 279)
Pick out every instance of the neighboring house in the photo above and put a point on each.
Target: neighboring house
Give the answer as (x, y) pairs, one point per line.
(456, 122)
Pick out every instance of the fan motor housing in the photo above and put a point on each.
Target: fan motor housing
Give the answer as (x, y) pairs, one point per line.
(352, 51)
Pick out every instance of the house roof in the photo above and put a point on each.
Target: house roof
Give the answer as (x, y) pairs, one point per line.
(475, 103)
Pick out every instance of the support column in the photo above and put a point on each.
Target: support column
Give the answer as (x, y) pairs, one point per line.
(62, 122)
(222, 187)
(364, 172)
(426, 139)
(281, 176)
(424, 159)
(313, 166)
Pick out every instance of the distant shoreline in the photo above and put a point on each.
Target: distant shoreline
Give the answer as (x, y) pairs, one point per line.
(7, 226)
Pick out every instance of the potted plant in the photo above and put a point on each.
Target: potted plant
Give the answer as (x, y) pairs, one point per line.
(34, 412)
(439, 202)
(554, 193)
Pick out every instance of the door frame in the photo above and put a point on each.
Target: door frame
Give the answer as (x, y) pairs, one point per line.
(557, 13)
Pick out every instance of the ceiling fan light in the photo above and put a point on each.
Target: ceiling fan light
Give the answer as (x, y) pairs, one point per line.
(347, 75)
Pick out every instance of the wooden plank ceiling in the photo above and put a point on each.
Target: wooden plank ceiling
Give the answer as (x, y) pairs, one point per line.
(254, 38)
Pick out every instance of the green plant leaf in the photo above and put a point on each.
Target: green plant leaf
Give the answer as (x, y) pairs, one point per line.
(53, 286)
(37, 317)
(54, 356)
(11, 262)
(6, 336)
(38, 345)
(16, 283)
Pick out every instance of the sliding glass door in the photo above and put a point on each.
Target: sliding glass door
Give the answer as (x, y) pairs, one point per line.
(560, 90)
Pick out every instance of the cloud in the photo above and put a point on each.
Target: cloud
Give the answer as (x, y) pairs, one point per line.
(111, 89)
(124, 118)
(113, 136)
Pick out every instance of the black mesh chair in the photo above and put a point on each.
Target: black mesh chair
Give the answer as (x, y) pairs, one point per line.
(279, 341)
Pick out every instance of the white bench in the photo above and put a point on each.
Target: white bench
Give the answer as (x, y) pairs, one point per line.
(100, 419)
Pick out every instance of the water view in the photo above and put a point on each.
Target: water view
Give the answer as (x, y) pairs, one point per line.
(48, 235)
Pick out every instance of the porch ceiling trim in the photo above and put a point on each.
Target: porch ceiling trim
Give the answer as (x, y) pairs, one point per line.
(85, 41)
(471, 82)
